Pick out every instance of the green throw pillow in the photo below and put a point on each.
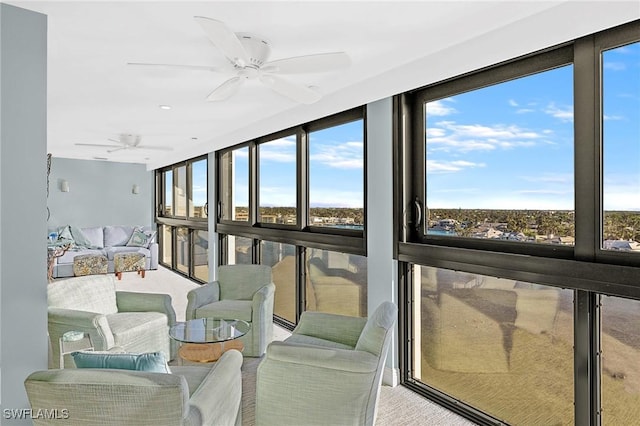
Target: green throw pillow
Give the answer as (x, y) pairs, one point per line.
(140, 238)
(152, 362)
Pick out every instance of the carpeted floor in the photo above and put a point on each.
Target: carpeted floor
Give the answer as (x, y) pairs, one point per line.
(397, 405)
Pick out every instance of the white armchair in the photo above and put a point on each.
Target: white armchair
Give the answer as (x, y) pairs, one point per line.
(328, 372)
(244, 292)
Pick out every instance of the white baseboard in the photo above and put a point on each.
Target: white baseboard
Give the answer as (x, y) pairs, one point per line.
(391, 377)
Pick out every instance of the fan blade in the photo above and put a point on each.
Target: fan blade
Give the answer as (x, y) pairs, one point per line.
(159, 148)
(226, 89)
(225, 40)
(176, 66)
(117, 149)
(297, 92)
(97, 144)
(321, 62)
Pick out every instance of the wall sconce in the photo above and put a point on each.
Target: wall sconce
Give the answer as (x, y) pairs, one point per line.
(64, 185)
(135, 189)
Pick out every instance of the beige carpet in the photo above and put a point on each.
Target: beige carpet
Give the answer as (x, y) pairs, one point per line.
(397, 405)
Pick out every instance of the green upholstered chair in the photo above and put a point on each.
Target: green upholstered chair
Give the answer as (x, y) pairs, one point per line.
(134, 322)
(189, 395)
(328, 372)
(244, 292)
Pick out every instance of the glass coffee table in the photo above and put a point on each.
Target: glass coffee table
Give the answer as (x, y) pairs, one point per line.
(206, 339)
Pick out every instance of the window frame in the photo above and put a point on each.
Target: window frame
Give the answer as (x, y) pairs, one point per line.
(585, 268)
(190, 222)
(344, 240)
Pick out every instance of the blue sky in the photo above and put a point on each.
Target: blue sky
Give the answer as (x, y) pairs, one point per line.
(336, 164)
(510, 146)
(507, 146)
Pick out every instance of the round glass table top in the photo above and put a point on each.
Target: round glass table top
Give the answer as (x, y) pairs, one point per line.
(209, 330)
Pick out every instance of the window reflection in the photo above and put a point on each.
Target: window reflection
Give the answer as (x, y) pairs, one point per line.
(282, 259)
(503, 346)
(336, 282)
(621, 148)
(620, 379)
(239, 250)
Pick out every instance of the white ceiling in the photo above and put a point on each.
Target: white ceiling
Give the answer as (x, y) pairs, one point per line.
(394, 46)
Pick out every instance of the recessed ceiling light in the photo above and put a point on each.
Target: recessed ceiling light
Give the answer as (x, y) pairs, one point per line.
(165, 106)
(194, 138)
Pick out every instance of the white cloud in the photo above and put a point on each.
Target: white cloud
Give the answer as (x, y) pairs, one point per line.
(347, 155)
(612, 117)
(513, 103)
(564, 114)
(439, 108)
(280, 150)
(561, 178)
(448, 135)
(437, 166)
(524, 110)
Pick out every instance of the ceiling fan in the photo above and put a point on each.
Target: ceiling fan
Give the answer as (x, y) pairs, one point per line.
(126, 141)
(249, 55)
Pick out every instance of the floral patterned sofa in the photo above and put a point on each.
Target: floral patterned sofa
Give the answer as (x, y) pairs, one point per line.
(106, 241)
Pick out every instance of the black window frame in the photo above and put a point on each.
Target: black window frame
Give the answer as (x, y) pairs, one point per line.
(192, 223)
(344, 240)
(585, 268)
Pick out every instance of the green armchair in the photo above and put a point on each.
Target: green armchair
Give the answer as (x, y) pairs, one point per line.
(189, 395)
(133, 322)
(328, 371)
(244, 292)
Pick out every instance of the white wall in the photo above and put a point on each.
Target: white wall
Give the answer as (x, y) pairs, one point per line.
(100, 193)
(381, 267)
(23, 277)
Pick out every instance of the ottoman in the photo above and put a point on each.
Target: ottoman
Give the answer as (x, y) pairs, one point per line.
(128, 262)
(89, 264)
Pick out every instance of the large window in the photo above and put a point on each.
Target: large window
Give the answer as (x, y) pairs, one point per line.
(234, 176)
(295, 201)
(499, 161)
(336, 176)
(278, 181)
(495, 343)
(182, 212)
(621, 148)
(518, 237)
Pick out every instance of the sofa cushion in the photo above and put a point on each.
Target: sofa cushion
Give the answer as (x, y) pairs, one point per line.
(95, 236)
(153, 361)
(117, 235)
(227, 309)
(91, 293)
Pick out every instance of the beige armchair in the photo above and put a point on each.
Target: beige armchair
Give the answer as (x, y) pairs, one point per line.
(243, 292)
(134, 322)
(328, 372)
(190, 395)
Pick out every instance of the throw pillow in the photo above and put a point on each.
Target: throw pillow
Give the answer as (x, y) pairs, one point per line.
(152, 361)
(65, 236)
(80, 238)
(138, 238)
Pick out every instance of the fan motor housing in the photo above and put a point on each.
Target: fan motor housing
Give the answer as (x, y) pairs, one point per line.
(257, 48)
